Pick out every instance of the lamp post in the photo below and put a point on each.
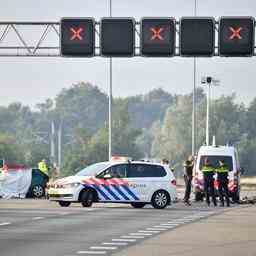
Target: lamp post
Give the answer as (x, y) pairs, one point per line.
(194, 98)
(208, 81)
(110, 98)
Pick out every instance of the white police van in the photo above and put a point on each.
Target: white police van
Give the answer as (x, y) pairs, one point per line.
(229, 155)
(135, 182)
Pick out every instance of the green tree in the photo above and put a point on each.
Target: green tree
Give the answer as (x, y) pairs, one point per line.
(10, 151)
(82, 106)
(146, 109)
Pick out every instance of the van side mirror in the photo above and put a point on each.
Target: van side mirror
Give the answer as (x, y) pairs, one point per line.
(242, 170)
(107, 176)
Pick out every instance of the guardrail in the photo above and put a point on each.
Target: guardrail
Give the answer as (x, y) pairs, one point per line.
(248, 182)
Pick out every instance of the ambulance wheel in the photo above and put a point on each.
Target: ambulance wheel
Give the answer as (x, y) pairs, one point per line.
(138, 205)
(199, 196)
(64, 203)
(86, 198)
(160, 199)
(37, 191)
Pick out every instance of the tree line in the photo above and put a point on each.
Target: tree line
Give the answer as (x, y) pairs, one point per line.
(155, 125)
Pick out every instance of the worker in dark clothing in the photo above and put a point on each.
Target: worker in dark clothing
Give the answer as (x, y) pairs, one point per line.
(222, 172)
(208, 172)
(188, 175)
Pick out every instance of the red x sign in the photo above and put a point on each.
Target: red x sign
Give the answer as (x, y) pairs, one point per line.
(156, 33)
(76, 34)
(235, 33)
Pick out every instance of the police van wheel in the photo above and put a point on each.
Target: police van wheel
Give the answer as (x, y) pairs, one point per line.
(37, 191)
(138, 205)
(160, 199)
(64, 203)
(86, 198)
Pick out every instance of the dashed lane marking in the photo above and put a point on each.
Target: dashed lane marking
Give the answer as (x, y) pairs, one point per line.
(169, 226)
(103, 248)
(115, 243)
(177, 221)
(139, 234)
(5, 223)
(64, 213)
(38, 218)
(158, 226)
(133, 237)
(91, 252)
(157, 229)
(123, 240)
(149, 231)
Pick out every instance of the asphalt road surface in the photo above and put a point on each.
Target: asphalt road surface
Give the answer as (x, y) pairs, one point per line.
(39, 227)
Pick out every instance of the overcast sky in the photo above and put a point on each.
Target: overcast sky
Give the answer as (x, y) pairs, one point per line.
(32, 80)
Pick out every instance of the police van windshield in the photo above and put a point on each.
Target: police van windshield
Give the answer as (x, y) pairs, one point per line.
(214, 161)
(93, 169)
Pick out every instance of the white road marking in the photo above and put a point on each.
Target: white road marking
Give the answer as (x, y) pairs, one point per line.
(91, 252)
(103, 248)
(139, 234)
(123, 240)
(5, 223)
(38, 218)
(167, 225)
(159, 226)
(133, 237)
(148, 231)
(64, 213)
(176, 222)
(157, 229)
(115, 243)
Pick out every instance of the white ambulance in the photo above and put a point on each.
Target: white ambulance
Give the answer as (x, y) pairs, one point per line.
(135, 182)
(215, 153)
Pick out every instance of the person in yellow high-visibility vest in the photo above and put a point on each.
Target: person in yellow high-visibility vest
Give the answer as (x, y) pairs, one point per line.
(208, 171)
(43, 167)
(222, 172)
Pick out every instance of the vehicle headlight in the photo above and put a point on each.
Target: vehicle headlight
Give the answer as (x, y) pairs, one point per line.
(71, 185)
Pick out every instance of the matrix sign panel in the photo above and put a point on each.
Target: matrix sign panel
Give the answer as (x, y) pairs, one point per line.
(197, 36)
(157, 37)
(117, 37)
(77, 37)
(236, 36)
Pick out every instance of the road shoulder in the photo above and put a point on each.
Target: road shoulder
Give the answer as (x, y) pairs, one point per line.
(231, 233)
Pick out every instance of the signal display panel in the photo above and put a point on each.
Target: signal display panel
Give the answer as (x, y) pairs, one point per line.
(77, 37)
(197, 36)
(236, 36)
(157, 37)
(117, 37)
